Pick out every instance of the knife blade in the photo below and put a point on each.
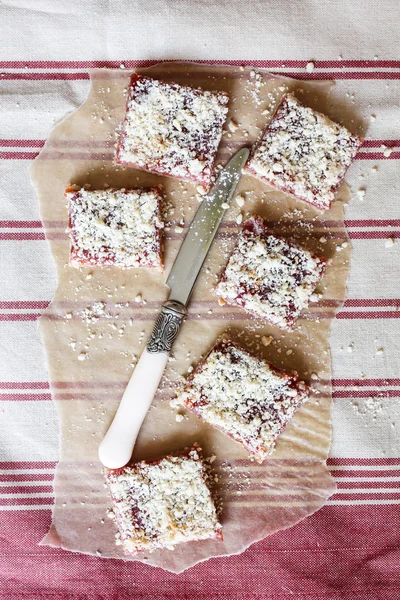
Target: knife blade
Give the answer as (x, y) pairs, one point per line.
(117, 445)
(202, 230)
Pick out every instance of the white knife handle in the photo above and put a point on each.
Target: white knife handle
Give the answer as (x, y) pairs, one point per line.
(115, 450)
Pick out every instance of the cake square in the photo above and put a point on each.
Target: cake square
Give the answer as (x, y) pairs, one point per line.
(303, 153)
(162, 503)
(268, 276)
(111, 227)
(171, 129)
(243, 396)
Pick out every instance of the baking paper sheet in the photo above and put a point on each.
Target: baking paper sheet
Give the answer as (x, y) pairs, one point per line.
(100, 320)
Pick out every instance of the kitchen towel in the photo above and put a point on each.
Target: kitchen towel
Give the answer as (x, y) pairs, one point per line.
(350, 548)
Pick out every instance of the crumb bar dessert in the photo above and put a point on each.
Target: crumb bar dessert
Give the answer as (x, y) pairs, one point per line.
(303, 153)
(113, 227)
(268, 276)
(172, 129)
(162, 503)
(243, 396)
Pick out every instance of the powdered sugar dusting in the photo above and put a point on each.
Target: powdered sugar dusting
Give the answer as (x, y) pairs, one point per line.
(172, 129)
(243, 396)
(115, 227)
(268, 276)
(160, 504)
(303, 153)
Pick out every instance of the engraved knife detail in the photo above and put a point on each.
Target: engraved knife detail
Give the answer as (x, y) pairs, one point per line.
(167, 327)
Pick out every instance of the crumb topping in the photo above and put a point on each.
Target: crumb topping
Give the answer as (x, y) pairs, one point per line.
(269, 276)
(243, 396)
(160, 504)
(115, 227)
(304, 153)
(172, 129)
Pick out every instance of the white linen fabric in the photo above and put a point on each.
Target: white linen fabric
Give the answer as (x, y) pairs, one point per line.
(46, 49)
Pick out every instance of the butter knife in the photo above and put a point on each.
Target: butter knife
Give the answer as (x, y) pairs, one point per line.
(116, 448)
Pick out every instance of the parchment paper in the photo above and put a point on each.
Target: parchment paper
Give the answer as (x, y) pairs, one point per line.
(94, 329)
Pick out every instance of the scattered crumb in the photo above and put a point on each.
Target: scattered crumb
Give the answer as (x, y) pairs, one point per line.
(361, 193)
(232, 126)
(221, 301)
(240, 200)
(310, 66)
(138, 298)
(178, 229)
(379, 351)
(314, 376)
(372, 118)
(289, 352)
(390, 242)
(224, 205)
(68, 315)
(350, 348)
(266, 340)
(322, 240)
(179, 418)
(387, 151)
(239, 218)
(374, 169)
(82, 356)
(370, 407)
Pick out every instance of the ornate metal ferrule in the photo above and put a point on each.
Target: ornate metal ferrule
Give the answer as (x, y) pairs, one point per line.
(167, 327)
